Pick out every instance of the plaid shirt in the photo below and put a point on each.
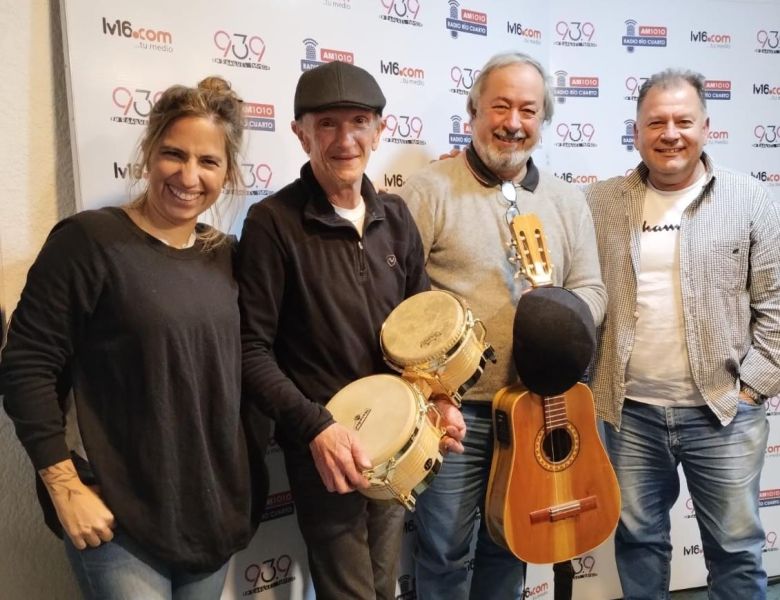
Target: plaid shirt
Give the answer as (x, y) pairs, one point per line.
(730, 282)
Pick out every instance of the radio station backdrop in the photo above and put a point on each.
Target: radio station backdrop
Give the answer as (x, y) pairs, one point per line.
(425, 55)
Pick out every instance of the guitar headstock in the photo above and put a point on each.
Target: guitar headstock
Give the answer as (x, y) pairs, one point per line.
(533, 261)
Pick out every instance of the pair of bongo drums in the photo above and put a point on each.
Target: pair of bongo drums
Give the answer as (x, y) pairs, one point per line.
(437, 346)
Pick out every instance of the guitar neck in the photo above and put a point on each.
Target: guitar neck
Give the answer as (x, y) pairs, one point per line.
(532, 258)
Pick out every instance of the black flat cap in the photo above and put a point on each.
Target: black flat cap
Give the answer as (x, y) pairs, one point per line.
(337, 84)
(554, 338)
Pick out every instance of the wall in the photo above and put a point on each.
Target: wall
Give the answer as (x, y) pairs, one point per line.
(37, 190)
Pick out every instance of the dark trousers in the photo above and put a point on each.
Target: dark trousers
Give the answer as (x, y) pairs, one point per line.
(353, 542)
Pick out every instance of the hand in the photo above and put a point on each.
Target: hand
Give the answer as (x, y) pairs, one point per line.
(453, 424)
(340, 459)
(85, 518)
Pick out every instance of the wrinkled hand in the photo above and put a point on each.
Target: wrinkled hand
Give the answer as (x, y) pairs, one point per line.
(452, 423)
(340, 459)
(85, 518)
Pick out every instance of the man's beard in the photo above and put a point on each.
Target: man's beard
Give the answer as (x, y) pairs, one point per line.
(503, 163)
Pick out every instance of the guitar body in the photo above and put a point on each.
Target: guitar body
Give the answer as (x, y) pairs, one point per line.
(552, 493)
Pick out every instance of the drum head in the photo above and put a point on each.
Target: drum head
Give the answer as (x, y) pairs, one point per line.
(423, 327)
(381, 409)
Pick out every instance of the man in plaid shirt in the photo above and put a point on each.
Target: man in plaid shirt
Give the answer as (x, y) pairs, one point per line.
(690, 345)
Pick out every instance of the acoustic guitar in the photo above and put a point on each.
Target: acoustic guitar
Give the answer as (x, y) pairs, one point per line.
(552, 493)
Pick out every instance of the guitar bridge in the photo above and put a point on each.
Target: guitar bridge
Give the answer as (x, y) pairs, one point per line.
(565, 510)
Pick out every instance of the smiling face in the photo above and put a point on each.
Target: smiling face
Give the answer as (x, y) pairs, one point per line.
(339, 143)
(670, 132)
(187, 170)
(508, 118)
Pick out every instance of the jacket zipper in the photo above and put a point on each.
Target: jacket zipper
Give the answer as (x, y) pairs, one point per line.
(361, 259)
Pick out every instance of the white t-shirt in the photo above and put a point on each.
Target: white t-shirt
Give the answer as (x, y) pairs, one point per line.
(659, 371)
(356, 215)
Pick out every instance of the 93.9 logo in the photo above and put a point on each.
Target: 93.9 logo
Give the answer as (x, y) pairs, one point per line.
(766, 135)
(403, 129)
(135, 105)
(575, 134)
(583, 566)
(576, 32)
(771, 541)
(463, 78)
(269, 573)
(256, 178)
(768, 40)
(239, 46)
(633, 84)
(402, 9)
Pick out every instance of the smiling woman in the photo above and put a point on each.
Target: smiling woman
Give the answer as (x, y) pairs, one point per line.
(135, 310)
(189, 153)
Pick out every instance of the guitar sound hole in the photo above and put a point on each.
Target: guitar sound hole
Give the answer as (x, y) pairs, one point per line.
(557, 445)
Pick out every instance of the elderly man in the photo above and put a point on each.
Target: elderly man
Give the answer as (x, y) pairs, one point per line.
(462, 207)
(321, 264)
(691, 343)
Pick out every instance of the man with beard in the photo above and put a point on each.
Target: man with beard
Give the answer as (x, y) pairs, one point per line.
(462, 207)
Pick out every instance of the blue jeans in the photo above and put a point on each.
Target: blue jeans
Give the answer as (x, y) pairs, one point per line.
(722, 467)
(121, 570)
(445, 516)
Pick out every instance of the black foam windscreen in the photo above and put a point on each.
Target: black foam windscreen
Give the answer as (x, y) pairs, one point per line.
(554, 338)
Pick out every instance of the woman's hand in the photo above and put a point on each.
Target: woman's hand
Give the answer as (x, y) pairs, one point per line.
(86, 520)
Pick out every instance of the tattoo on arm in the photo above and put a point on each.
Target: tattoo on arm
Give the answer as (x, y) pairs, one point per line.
(61, 480)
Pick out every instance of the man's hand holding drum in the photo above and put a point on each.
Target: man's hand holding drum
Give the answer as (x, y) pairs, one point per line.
(452, 423)
(340, 459)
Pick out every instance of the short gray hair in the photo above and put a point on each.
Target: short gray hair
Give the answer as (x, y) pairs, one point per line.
(508, 59)
(670, 78)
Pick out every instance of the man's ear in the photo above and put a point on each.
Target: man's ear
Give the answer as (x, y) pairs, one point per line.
(297, 129)
(378, 135)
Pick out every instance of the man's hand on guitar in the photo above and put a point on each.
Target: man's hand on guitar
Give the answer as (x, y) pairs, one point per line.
(340, 459)
(452, 423)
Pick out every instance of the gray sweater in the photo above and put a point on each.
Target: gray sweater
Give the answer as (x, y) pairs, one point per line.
(466, 243)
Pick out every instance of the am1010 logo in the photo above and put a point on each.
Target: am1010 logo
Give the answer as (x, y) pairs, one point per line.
(468, 21)
(268, 574)
(460, 132)
(244, 50)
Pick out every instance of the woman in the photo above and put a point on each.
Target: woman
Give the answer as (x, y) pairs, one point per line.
(135, 309)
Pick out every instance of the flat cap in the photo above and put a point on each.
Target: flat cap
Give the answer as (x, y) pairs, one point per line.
(554, 338)
(337, 84)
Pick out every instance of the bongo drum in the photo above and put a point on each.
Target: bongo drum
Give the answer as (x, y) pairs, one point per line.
(433, 336)
(399, 430)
